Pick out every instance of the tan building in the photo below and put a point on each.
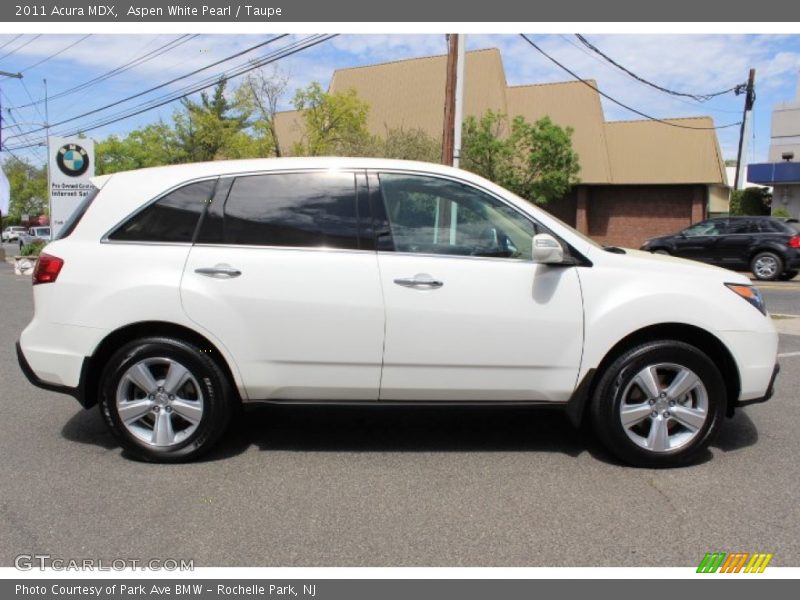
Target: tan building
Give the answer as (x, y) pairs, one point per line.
(639, 179)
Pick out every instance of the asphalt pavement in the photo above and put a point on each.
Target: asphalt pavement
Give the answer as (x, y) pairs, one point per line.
(311, 486)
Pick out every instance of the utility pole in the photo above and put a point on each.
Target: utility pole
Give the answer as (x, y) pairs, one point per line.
(49, 175)
(749, 100)
(459, 103)
(448, 139)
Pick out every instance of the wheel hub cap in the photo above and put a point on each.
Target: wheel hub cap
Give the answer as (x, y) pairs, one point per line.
(159, 402)
(664, 407)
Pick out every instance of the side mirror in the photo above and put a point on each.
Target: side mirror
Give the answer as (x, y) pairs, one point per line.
(547, 250)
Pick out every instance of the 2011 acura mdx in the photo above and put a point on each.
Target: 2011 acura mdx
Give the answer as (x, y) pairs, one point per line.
(174, 294)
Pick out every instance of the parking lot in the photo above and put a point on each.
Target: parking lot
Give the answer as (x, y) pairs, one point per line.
(337, 486)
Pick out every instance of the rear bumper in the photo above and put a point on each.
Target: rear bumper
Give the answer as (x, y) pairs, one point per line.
(79, 392)
(767, 395)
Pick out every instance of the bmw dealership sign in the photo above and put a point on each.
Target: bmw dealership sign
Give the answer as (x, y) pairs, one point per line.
(71, 166)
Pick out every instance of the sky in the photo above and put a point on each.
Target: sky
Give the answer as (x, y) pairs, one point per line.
(697, 64)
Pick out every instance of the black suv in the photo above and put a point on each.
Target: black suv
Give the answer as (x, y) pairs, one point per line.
(769, 247)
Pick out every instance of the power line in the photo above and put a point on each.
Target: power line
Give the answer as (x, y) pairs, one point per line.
(44, 60)
(617, 102)
(290, 50)
(159, 86)
(594, 57)
(163, 49)
(210, 81)
(20, 47)
(738, 89)
(27, 91)
(11, 41)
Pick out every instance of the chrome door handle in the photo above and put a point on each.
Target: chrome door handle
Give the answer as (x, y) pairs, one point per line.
(419, 281)
(218, 271)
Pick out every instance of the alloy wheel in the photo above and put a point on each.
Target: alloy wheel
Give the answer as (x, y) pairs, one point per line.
(766, 267)
(159, 402)
(664, 407)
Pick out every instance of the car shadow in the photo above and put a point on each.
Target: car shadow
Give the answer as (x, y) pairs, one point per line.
(314, 428)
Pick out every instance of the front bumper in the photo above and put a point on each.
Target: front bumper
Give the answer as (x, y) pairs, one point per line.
(79, 392)
(767, 395)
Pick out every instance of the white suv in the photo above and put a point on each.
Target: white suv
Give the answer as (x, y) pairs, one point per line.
(174, 294)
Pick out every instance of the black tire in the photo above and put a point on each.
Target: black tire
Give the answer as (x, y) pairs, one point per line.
(618, 377)
(788, 275)
(766, 266)
(209, 383)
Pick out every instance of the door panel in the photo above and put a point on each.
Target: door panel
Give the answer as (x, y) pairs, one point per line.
(279, 274)
(301, 324)
(494, 330)
(468, 314)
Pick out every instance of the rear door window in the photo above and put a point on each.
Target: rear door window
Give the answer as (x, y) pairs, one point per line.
(300, 210)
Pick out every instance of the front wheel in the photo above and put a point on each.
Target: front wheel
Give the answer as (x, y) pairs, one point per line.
(766, 266)
(164, 399)
(659, 404)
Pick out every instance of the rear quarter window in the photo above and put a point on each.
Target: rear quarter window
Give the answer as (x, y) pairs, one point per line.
(172, 218)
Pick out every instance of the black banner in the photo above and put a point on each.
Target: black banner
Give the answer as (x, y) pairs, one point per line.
(731, 588)
(496, 11)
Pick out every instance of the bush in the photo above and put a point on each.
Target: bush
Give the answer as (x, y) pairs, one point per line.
(752, 201)
(32, 249)
(781, 213)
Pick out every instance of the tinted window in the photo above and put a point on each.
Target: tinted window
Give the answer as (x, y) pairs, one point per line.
(172, 218)
(742, 226)
(715, 227)
(286, 209)
(775, 226)
(438, 216)
(72, 222)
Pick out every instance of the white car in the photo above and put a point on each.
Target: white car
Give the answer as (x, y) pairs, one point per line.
(34, 234)
(12, 233)
(174, 294)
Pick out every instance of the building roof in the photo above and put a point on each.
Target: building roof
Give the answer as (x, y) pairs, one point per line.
(410, 94)
(572, 104)
(648, 152)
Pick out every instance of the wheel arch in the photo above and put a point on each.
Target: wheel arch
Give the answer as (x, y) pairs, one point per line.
(123, 335)
(700, 338)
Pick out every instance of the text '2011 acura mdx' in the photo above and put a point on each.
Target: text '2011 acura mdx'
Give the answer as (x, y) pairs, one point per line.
(174, 294)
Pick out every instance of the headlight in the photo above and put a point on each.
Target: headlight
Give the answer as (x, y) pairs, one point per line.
(749, 293)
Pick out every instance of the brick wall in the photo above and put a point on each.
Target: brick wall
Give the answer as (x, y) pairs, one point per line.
(628, 215)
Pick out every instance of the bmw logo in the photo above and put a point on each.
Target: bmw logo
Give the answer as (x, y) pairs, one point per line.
(72, 160)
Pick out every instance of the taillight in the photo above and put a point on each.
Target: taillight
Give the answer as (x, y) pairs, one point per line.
(47, 269)
(794, 241)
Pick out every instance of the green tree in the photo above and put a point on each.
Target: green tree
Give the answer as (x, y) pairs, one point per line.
(259, 94)
(28, 189)
(534, 160)
(335, 124)
(206, 129)
(405, 144)
(750, 201)
(153, 145)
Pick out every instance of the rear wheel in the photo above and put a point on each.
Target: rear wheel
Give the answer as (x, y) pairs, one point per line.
(766, 266)
(164, 399)
(659, 404)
